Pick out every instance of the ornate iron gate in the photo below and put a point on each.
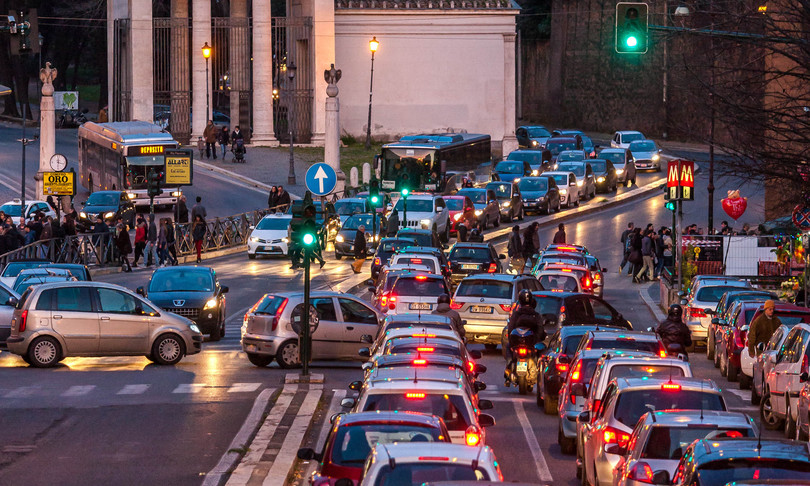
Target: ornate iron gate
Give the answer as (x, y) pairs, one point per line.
(121, 89)
(291, 41)
(231, 72)
(172, 76)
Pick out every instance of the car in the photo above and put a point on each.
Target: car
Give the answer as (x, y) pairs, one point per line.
(509, 199)
(423, 237)
(53, 321)
(623, 138)
(269, 328)
(540, 194)
(511, 170)
(432, 251)
(325, 215)
(414, 321)
(765, 360)
(386, 281)
(193, 292)
(556, 145)
(432, 463)
(424, 210)
(782, 383)
(270, 236)
(749, 461)
(485, 302)
(14, 267)
(623, 163)
(386, 248)
(803, 413)
(472, 258)
(461, 211)
(569, 156)
(13, 208)
(580, 273)
(559, 280)
(405, 258)
(624, 402)
(349, 206)
(660, 438)
(619, 340)
(566, 183)
(587, 143)
(344, 240)
(566, 309)
(384, 342)
(646, 154)
(351, 437)
(78, 270)
(585, 178)
(723, 305)
(423, 347)
(605, 174)
(733, 345)
(487, 209)
(426, 360)
(706, 293)
(532, 136)
(415, 291)
(597, 273)
(36, 276)
(8, 300)
(561, 257)
(111, 205)
(539, 160)
(572, 395)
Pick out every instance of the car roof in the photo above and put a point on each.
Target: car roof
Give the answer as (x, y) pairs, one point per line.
(406, 452)
(559, 295)
(385, 416)
(429, 378)
(78, 283)
(351, 199)
(415, 332)
(500, 277)
(413, 230)
(107, 192)
(688, 418)
(557, 172)
(561, 139)
(629, 357)
(643, 141)
(421, 249)
(468, 244)
(729, 449)
(618, 334)
(613, 149)
(648, 382)
(390, 360)
(421, 273)
(416, 318)
(626, 132)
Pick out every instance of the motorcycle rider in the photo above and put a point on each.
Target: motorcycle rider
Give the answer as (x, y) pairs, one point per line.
(443, 309)
(672, 330)
(524, 316)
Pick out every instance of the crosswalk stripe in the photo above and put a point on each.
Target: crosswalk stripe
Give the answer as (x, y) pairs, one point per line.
(244, 387)
(21, 392)
(189, 388)
(133, 389)
(78, 390)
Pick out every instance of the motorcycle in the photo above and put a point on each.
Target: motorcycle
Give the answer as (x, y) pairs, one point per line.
(238, 150)
(523, 370)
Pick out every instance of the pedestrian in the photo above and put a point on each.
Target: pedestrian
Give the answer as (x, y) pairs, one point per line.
(559, 236)
(359, 249)
(140, 241)
(198, 234)
(393, 224)
(101, 232)
(237, 134)
(746, 230)
(669, 261)
(171, 240)
(283, 200)
(272, 198)
(210, 136)
(224, 139)
(181, 213)
(658, 249)
(198, 210)
(124, 246)
(201, 146)
(725, 229)
(635, 257)
(529, 248)
(163, 253)
(514, 250)
(625, 246)
(762, 328)
(647, 255)
(151, 242)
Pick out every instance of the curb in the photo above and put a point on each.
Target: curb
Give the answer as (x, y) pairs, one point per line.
(239, 177)
(655, 309)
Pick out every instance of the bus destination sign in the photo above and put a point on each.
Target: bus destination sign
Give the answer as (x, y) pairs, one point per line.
(59, 183)
(147, 150)
(179, 167)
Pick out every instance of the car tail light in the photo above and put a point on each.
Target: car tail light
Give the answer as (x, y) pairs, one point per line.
(455, 305)
(376, 260)
(383, 300)
(414, 396)
(562, 367)
(472, 436)
(416, 260)
(278, 314)
(471, 366)
(493, 267)
(433, 458)
(425, 349)
(696, 312)
(423, 335)
(586, 282)
(421, 277)
(674, 387)
(588, 346)
(507, 307)
(739, 339)
(641, 472)
(805, 364)
(23, 319)
(615, 436)
(562, 315)
(419, 362)
(523, 351)
(662, 353)
(565, 248)
(576, 375)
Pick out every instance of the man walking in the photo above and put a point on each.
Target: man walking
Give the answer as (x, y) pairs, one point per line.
(359, 249)
(151, 242)
(198, 210)
(559, 236)
(181, 215)
(647, 253)
(625, 246)
(210, 136)
(283, 200)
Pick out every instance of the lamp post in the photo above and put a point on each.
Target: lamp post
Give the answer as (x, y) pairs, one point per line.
(206, 52)
(372, 45)
(291, 88)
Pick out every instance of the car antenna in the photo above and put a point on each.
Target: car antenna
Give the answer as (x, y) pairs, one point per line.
(474, 463)
(392, 463)
(759, 434)
(701, 401)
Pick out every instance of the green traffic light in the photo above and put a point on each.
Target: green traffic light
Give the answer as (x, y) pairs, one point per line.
(375, 199)
(631, 41)
(405, 192)
(670, 205)
(308, 239)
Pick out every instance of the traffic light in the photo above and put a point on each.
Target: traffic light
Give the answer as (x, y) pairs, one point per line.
(631, 28)
(153, 182)
(670, 205)
(308, 232)
(374, 193)
(405, 192)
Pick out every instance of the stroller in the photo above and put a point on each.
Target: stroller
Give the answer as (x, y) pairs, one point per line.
(238, 149)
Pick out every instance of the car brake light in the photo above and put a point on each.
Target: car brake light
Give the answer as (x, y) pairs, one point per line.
(425, 349)
(433, 458)
(507, 307)
(414, 395)
(455, 305)
(696, 312)
(278, 314)
(586, 282)
(615, 436)
(493, 267)
(805, 364)
(423, 335)
(377, 261)
(565, 248)
(23, 319)
(588, 346)
(671, 387)
(472, 436)
(416, 260)
(562, 367)
(566, 270)
(523, 351)
(739, 340)
(576, 375)
(641, 472)
(662, 353)
(421, 277)
(471, 366)
(419, 362)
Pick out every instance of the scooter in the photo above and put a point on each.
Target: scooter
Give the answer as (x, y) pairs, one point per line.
(522, 371)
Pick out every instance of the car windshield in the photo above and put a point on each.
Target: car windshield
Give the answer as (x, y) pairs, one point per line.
(712, 294)
(565, 283)
(352, 443)
(627, 344)
(616, 157)
(530, 185)
(479, 254)
(671, 442)
(556, 147)
(393, 246)
(733, 469)
(451, 408)
(415, 205)
(11, 209)
(631, 137)
(477, 196)
(501, 189)
(492, 289)
(424, 471)
(526, 156)
(421, 239)
(577, 169)
(415, 286)
(347, 208)
(561, 179)
(598, 165)
(644, 369)
(632, 404)
(354, 222)
(269, 304)
(14, 268)
(565, 156)
(538, 132)
(103, 199)
(509, 167)
(641, 146)
(454, 203)
(182, 280)
(273, 223)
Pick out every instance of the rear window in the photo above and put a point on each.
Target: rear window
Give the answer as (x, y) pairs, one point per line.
(726, 471)
(394, 246)
(428, 472)
(400, 260)
(353, 443)
(671, 442)
(632, 404)
(570, 343)
(493, 289)
(451, 408)
(640, 370)
(418, 348)
(470, 253)
(269, 304)
(413, 286)
(627, 344)
(571, 259)
(712, 294)
(565, 283)
(548, 305)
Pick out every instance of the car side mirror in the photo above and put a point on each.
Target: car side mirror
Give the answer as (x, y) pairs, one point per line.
(709, 311)
(364, 353)
(12, 301)
(140, 291)
(479, 368)
(484, 404)
(804, 377)
(616, 449)
(371, 288)
(604, 270)
(252, 228)
(356, 385)
(501, 257)
(681, 294)
(486, 420)
(307, 454)
(584, 416)
(684, 302)
(760, 347)
(475, 354)
(366, 338)
(479, 386)
(715, 321)
(659, 477)
(348, 402)
(224, 289)
(540, 347)
(564, 359)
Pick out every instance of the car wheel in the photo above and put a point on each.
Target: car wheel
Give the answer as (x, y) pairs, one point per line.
(215, 336)
(567, 446)
(251, 256)
(710, 347)
(168, 349)
(723, 367)
(745, 382)
(44, 352)
(446, 234)
(287, 355)
(337, 256)
(260, 360)
(576, 204)
(539, 395)
(801, 434)
(732, 372)
(491, 347)
(755, 398)
(769, 420)
(716, 358)
(790, 424)
(549, 404)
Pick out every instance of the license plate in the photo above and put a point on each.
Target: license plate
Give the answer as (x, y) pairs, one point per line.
(469, 266)
(419, 306)
(481, 309)
(522, 366)
(250, 348)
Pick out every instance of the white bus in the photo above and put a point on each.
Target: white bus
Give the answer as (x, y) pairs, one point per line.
(117, 156)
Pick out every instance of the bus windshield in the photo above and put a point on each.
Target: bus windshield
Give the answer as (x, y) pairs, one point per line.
(414, 165)
(138, 167)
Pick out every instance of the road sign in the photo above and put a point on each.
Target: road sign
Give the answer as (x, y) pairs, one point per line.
(59, 183)
(321, 179)
(801, 217)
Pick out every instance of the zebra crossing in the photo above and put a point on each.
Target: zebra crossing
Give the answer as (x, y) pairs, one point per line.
(41, 391)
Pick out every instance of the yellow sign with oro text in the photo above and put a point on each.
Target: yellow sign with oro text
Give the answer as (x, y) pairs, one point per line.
(59, 183)
(178, 167)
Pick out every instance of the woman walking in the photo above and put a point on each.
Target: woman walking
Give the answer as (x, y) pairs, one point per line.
(272, 199)
(163, 253)
(140, 240)
(124, 246)
(198, 233)
(171, 240)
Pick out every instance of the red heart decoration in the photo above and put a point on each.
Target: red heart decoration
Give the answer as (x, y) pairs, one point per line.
(735, 207)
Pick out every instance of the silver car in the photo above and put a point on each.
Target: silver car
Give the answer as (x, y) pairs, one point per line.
(585, 180)
(270, 328)
(55, 320)
(6, 312)
(765, 361)
(646, 155)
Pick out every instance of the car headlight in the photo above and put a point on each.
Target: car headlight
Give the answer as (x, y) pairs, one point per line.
(579, 183)
(619, 171)
(563, 191)
(254, 239)
(555, 166)
(600, 179)
(478, 212)
(506, 204)
(457, 216)
(517, 179)
(285, 240)
(535, 172)
(194, 328)
(425, 223)
(534, 143)
(176, 193)
(211, 303)
(83, 214)
(131, 195)
(340, 238)
(109, 214)
(656, 157)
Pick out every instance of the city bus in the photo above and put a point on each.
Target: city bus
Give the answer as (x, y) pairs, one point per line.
(423, 162)
(118, 156)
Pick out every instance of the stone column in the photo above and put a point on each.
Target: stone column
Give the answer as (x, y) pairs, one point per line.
(200, 34)
(509, 141)
(142, 62)
(263, 133)
(239, 50)
(323, 36)
(331, 149)
(47, 126)
(179, 69)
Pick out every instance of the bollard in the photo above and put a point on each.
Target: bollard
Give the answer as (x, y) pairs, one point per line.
(366, 173)
(353, 177)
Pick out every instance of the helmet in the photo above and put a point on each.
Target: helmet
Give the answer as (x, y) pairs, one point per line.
(675, 312)
(475, 231)
(525, 297)
(444, 299)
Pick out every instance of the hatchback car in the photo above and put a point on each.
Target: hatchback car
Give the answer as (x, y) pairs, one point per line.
(724, 305)
(511, 170)
(344, 241)
(510, 201)
(13, 268)
(765, 360)
(784, 382)
(587, 144)
(110, 205)
(487, 209)
(416, 292)
(566, 309)
(192, 292)
(567, 186)
(270, 236)
(732, 347)
(556, 145)
(56, 320)
(540, 194)
(435, 252)
(532, 136)
(586, 183)
(13, 208)
(604, 174)
(706, 294)
(8, 300)
(461, 211)
(623, 163)
(558, 280)
(570, 156)
(386, 248)
(270, 327)
(472, 258)
(623, 138)
(646, 154)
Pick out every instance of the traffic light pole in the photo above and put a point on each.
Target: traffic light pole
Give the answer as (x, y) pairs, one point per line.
(305, 337)
(680, 245)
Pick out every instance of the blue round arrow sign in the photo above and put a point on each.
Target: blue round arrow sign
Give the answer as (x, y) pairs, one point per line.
(321, 179)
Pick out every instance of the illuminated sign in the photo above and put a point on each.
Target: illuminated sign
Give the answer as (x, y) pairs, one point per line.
(179, 167)
(148, 150)
(59, 183)
(672, 179)
(680, 180)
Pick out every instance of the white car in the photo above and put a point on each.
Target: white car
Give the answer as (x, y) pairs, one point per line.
(623, 138)
(424, 210)
(422, 462)
(12, 208)
(706, 293)
(646, 154)
(416, 292)
(270, 236)
(567, 184)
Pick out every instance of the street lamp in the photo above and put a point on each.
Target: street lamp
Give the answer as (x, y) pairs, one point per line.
(291, 76)
(206, 52)
(373, 44)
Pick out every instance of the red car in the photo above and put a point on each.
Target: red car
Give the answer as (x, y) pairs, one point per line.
(460, 209)
(734, 338)
(353, 435)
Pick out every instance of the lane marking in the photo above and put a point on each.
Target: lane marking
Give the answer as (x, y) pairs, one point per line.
(240, 313)
(78, 390)
(334, 407)
(244, 387)
(21, 392)
(543, 472)
(189, 388)
(292, 441)
(133, 389)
